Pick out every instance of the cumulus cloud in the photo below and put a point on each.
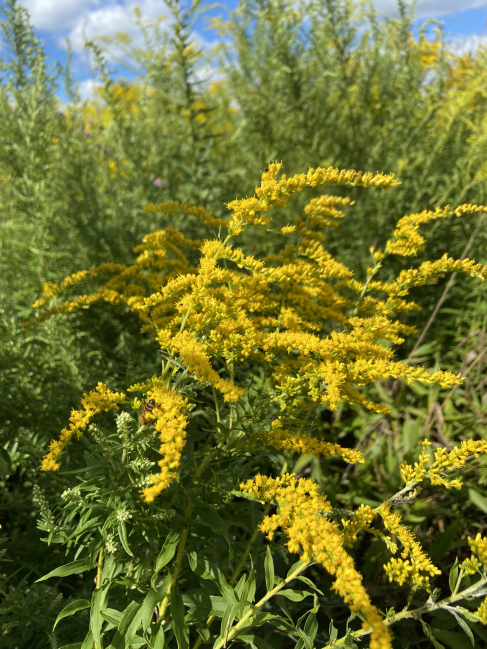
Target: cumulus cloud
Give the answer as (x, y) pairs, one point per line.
(86, 89)
(468, 44)
(89, 18)
(57, 15)
(433, 8)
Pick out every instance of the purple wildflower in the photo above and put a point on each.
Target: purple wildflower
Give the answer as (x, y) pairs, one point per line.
(159, 182)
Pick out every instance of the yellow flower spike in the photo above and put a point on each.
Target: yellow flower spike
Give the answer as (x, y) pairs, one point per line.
(414, 561)
(318, 538)
(482, 611)
(283, 439)
(197, 361)
(174, 207)
(170, 421)
(94, 402)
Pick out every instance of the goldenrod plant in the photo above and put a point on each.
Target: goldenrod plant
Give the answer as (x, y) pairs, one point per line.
(316, 83)
(253, 352)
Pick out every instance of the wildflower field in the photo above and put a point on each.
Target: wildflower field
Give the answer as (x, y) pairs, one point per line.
(243, 335)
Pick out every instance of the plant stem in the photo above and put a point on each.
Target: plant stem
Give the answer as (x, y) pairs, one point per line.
(99, 569)
(182, 542)
(231, 403)
(473, 591)
(447, 290)
(246, 553)
(260, 603)
(217, 408)
(237, 571)
(168, 366)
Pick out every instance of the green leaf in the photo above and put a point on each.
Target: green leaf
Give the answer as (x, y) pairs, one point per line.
(168, 550)
(453, 640)
(122, 533)
(269, 569)
(443, 542)
(464, 626)
(147, 609)
(240, 586)
(5, 463)
(88, 641)
(75, 567)
(85, 526)
(260, 618)
(295, 595)
(478, 500)
(76, 645)
(311, 626)
(112, 616)
(248, 593)
(179, 625)
(96, 620)
(159, 639)
(227, 621)
(453, 577)
(204, 634)
(206, 570)
(310, 583)
(125, 627)
(333, 633)
(255, 641)
(294, 567)
(411, 433)
(210, 517)
(71, 609)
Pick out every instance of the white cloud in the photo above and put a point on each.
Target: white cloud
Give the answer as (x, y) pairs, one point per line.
(58, 15)
(75, 18)
(468, 44)
(433, 8)
(86, 89)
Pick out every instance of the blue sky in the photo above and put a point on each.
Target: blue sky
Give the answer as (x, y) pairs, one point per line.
(465, 22)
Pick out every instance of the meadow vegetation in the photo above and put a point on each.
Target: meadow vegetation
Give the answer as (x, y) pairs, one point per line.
(305, 343)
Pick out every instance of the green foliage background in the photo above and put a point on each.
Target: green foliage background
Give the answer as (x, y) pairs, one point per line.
(313, 84)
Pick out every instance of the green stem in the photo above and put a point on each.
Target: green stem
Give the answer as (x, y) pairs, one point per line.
(231, 404)
(237, 571)
(247, 550)
(472, 591)
(99, 569)
(182, 542)
(260, 603)
(217, 408)
(168, 365)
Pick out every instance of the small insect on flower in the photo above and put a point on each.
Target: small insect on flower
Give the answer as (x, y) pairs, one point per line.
(159, 182)
(146, 410)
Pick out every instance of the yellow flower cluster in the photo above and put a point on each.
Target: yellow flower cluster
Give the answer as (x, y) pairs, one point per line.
(406, 240)
(50, 289)
(172, 208)
(478, 545)
(170, 421)
(195, 358)
(283, 439)
(414, 561)
(482, 611)
(299, 314)
(444, 461)
(273, 192)
(300, 515)
(92, 403)
(431, 271)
